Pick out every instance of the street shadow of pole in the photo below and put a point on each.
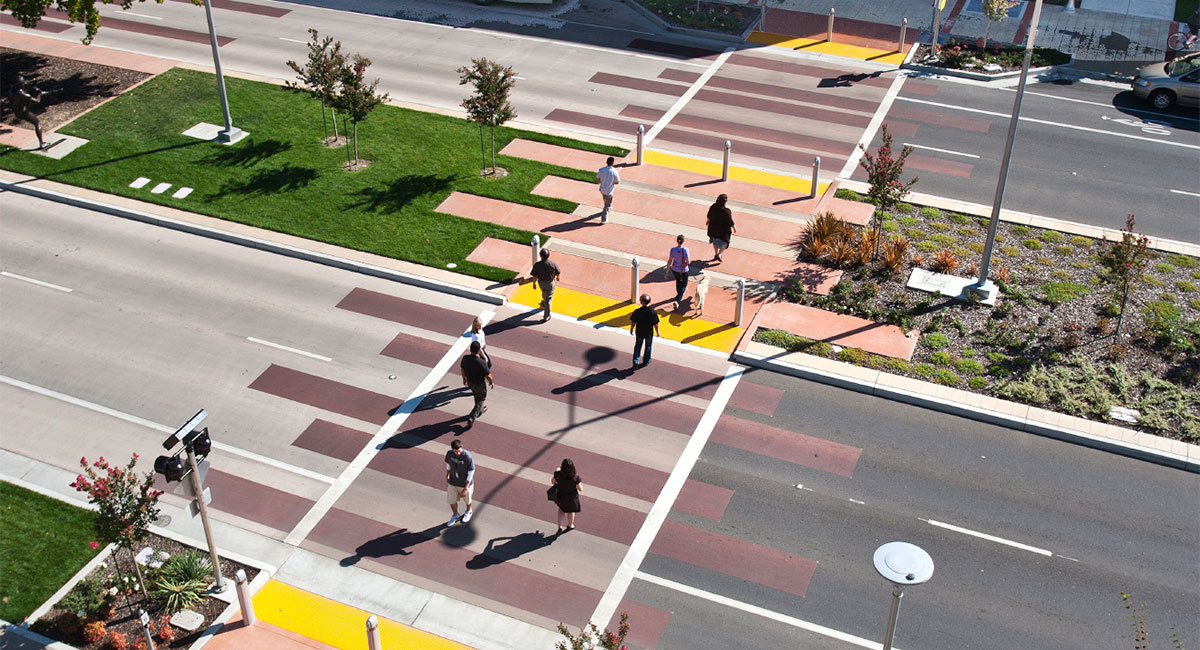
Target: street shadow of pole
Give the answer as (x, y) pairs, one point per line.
(594, 356)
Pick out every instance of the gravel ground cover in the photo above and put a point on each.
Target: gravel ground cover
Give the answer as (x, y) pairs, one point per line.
(1049, 342)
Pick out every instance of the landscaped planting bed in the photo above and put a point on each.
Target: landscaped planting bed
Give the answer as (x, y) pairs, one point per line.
(1049, 341)
(110, 599)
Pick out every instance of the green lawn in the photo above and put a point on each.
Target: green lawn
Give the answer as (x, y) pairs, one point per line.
(43, 542)
(282, 178)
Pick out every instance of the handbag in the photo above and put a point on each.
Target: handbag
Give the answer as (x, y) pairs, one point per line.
(552, 493)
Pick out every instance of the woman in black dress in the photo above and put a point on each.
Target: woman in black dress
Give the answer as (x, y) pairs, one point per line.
(567, 498)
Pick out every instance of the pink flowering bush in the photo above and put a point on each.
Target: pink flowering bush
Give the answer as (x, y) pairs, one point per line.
(884, 169)
(592, 638)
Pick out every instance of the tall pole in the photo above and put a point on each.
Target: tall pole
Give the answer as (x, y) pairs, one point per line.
(230, 133)
(937, 26)
(897, 594)
(982, 285)
(198, 489)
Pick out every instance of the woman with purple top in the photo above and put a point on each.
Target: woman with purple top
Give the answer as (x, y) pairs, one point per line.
(677, 265)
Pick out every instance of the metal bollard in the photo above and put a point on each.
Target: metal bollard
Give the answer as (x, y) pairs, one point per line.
(373, 642)
(537, 249)
(1070, 8)
(816, 179)
(741, 302)
(903, 30)
(725, 165)
(762, 16)
(243, 592)
(829, 30)
(641, 143)
(633, 281)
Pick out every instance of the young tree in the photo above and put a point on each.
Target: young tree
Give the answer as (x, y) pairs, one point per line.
(996, 11)
(591, 638)
(489, 106)
(356, 98)
(126, 504)
(319, 76)
(883, 173)
(29, 12)
(1122, 261)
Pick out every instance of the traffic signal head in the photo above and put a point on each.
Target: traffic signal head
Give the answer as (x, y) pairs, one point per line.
(170, 467)
(201, 443)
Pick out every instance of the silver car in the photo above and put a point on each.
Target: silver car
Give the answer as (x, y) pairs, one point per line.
(1164, 84)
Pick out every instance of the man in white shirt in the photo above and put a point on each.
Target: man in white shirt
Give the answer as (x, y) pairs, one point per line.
(609, 179)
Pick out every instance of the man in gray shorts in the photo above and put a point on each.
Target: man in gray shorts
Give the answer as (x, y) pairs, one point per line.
(460, 483)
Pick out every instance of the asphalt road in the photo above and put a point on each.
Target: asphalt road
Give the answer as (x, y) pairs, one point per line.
(158, 324)
(1085, 152)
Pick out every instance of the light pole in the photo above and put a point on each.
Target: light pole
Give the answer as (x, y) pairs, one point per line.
(984, 287)
(230, 134)
(901, 564)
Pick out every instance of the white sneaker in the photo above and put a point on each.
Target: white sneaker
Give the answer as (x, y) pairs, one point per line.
(467, 516)
(452, 520)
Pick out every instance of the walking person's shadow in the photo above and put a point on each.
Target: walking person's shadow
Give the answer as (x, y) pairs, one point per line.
(396, 542)
(514, 547)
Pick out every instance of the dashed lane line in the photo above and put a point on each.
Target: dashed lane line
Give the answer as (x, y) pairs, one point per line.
(39, 283)
(945, 151)
(990, 538)
(287, 349)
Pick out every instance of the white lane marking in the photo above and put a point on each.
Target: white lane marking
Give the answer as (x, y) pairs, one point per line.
(307, 473)
(372, 448)
(759, 611)
(139, 182)
(947, 151)
(160, 188)
(666, 498)
(37, 282)
(181, 193)
(1065, 99)
(1187, 193)
(869, 133)
(292, 40)
(1108, 105)
(287, 349)
(685, 98)
(990, 538)
(861, 503)
(130, 13)
(1049, 123)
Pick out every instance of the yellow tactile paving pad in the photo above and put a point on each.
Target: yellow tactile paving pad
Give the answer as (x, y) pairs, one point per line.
(757, 177)
(825, 47)
(336, 624)
(585, 306)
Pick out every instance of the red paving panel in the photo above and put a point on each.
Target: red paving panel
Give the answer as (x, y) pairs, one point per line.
(840, 329)
(789, 446)
(334, 440)
(919, 88)
(940, 166)
(739, 130)
(326, 394)
(642, 243)
(833, 76)
(502, 255)
(254, 501)
(636, 83)
(417, 350)
(703, 500)
(855, 212)
(422, 553)
(121, 24)
(734, 557)
(409, 312)
(246, 7)
(789, 93)
(662, 208)
(608, 401)
(903, 111)
(646, 624)
(511, 493)
(781, 108)
(591, 120)
(42, 26)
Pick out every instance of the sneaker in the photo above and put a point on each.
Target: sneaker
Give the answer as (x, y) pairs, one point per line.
(637, 361)
(674, 305)
(604, 219)
(482, 411)
(452, 520)
(467, 516)
(470, 422)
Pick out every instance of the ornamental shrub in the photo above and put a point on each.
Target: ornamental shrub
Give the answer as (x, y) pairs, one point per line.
(884, 170)
(94, 632)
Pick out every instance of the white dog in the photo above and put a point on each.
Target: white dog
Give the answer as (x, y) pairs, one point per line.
(702, 281)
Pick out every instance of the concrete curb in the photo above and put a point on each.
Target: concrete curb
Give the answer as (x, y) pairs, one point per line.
(254, 242)
(1160, 457)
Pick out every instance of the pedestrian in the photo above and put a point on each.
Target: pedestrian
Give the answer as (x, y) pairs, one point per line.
(609, 180)
(460, 481)
(477, 335)
(643, 322)
(720, 226)
(546, 273)
(677, 265)
(566, 496)
(478, 378)
(702, 281)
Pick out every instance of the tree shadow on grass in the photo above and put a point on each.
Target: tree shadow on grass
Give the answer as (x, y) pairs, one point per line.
(283, 179)
(400, 192)
(247, 155)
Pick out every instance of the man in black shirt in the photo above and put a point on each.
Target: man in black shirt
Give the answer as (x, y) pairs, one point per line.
(643, 322)
(478, 378)
(546, 273)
